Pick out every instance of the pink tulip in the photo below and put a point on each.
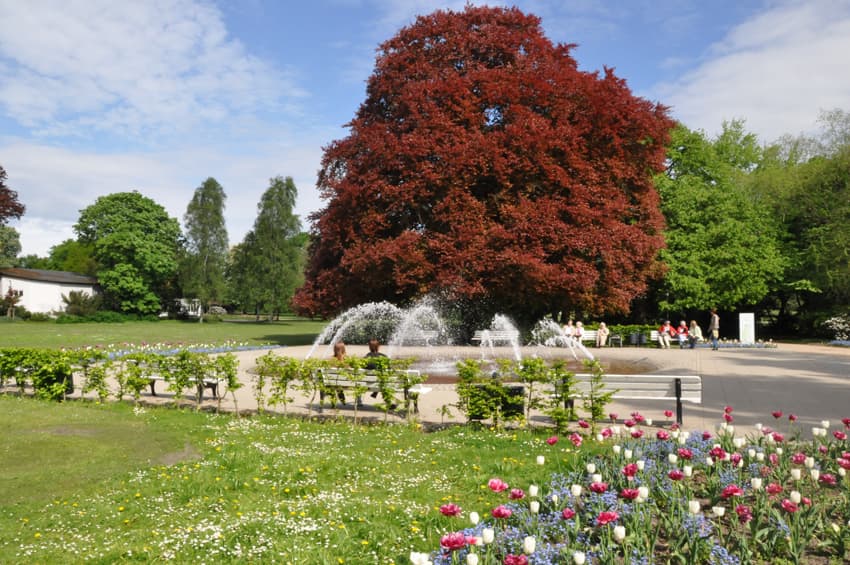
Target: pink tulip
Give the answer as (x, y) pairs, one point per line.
(844, 463)
(576, 439)
(630, 470)
(777, 414)
(567, 513)
(774, 459)
(552, 440)
(598, 488)
(676, 475)
(732, 490)
(497, 485)
(827, 479)
(685, 453)
(727, 410)
(778, 438)
(453, 541)
(744, 513)
(450, 509)
(613, 416)
(583, 424)
(706, 435)
(798, 458)
(511, 559)
(668, 413)
(637, 434)
(516, 494)
(841, 436)
(629, 493)
(792, 417)
(728, 417)
(501, 511)
(773, 489)
(629, 423)
(606, 433)
(788, 506)
(662, 435)
(717, 453)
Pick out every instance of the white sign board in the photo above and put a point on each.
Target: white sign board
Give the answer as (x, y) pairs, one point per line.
(747, 327)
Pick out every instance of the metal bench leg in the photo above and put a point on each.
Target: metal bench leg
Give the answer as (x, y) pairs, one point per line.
(152, 382)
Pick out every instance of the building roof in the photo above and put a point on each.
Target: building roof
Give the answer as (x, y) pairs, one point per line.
(60, 277)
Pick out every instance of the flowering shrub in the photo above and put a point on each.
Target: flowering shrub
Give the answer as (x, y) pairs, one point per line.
(674, 497)
(840, 326)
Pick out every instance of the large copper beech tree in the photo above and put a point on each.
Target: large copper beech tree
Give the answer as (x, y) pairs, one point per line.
(484, 166)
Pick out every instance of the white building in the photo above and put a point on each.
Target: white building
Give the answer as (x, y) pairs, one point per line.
(41, 291)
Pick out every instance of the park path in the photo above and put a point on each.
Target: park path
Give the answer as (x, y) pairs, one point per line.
(810, 381)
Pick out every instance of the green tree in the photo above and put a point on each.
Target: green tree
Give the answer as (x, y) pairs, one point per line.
(73, 256)
(268, 265)
(10, 246)
(203, 264)
(136, 245)
(722, 248)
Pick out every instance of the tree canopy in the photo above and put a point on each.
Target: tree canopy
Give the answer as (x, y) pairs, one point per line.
(484, 166)
(135, 244)
(266, 267)
(722, 248)
(203, 265)
(9, 205)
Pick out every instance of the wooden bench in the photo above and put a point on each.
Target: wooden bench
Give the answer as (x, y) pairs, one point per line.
(369, 381)
(681, 388)
(496, 336)
(211, 383)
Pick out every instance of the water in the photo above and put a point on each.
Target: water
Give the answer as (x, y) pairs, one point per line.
(549, 333)
(359, 319)
(503, 326)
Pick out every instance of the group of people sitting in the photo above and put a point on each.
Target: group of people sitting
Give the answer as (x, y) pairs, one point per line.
(683, 334)
(577, 331)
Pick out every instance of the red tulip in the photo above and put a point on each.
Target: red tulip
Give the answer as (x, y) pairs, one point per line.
(630, 470)
(676, 475)
(727, 410)
(777, 414)
(773, 488)
(598, 488)
(583, 424)
(788, 506)
(515, 559)
(501, 511)
(552, 440)
(629, 493)
(685, 453)
(662, 435)
(668, 413)
(607, 518)
(516, 494)
(567, 513)
(841, 436)
(732, 490)
(744, 513)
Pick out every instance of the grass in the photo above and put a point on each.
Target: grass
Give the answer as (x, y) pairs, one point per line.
(286, 331)
(265, 489)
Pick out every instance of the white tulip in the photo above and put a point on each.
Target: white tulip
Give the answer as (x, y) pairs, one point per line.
(643, 492)
(616, 449)
(575, 490)
(810, 462)
(579, 558)
(619, 533)
(842, 472)
(528, 545)
(596, 478)
(471, 559)
(555, 499)
(796, 474)
(591, 468)
(616, 430)
(779, 451)
(474, 518)
(688, 471)
(418, 558)
(718, 511)
(649, 421)
(759, 426)
(683, 439)
(760, 456)
(627, 453)
(487, 535)
(672, 458)
(674, 434)
(693, 506)
(709, 461)
(815, 474)
(532, 490)
(751, 453)
(600, 438)
(722, 426)
(795, 497)
(640, 464)
(824, 424)
(730, 430)
(534, 506)
(541, 460)
(756, 483)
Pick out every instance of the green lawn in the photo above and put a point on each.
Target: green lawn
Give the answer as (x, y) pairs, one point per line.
(107, 483)
(286, 331)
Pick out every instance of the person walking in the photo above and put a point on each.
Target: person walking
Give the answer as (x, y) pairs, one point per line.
(714, 328)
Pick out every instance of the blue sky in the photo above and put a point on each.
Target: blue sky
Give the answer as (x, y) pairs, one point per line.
(98, 96)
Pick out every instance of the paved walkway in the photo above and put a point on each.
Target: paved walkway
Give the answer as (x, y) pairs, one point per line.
(810, 381)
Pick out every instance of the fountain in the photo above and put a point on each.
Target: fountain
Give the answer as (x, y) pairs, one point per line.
(549, 333)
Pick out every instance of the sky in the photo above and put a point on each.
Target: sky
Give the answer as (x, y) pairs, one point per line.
(99, 97)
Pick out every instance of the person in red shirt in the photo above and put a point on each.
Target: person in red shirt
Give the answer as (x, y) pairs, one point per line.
(682, 334)
(665, 332)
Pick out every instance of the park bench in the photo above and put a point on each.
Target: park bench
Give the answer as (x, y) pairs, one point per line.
(681, 388)
(496, 336)
(363, 380)
(211, 383)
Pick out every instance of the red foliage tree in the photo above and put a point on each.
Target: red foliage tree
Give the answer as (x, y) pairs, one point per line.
(9, 205)
(485, 166)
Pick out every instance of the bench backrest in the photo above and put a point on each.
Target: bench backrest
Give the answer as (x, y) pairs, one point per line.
(364, 377)
(589, 335)
(644, 387)
(496, 335)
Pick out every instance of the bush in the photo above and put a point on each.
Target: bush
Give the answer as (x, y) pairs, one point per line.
(217, 311)
(38, 317)
(80, 303)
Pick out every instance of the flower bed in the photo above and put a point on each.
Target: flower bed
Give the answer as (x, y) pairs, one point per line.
(645, 496)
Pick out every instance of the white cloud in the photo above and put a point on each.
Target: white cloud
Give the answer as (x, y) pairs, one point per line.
(140, 68)
(777, 71)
